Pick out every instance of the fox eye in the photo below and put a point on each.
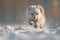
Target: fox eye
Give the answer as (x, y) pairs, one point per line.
(36, 13)
(32, 14)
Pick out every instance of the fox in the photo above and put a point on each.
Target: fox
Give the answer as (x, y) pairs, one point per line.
(35, 15)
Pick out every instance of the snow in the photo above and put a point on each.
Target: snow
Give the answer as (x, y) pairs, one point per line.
(29, 33)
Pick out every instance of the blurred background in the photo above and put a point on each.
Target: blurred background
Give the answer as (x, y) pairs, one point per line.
(13, 11)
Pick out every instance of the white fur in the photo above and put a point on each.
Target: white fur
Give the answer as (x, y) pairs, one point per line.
(36, 11)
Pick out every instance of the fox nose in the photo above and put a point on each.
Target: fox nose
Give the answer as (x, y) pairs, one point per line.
(34, 17)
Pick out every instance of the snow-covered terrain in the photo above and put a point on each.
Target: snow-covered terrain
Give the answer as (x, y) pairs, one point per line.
(29, 33)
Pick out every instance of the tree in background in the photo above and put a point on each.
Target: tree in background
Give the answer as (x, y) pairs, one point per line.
(55, 9)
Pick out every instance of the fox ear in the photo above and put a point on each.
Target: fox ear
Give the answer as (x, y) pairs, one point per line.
(41, 9)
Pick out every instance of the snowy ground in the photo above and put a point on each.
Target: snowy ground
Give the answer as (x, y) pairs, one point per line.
(29, 33)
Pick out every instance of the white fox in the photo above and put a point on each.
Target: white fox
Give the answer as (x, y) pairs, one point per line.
(36, 16)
